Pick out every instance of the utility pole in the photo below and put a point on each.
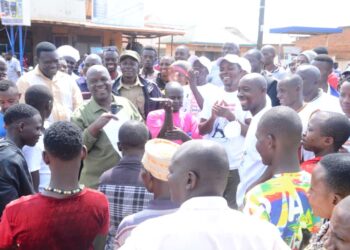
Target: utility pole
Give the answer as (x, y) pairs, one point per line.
(261, 24)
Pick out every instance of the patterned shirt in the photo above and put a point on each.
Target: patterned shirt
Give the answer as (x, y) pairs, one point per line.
(123, 201)
(282, 201)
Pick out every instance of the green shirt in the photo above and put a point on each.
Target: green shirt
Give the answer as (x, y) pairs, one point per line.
(101, 154)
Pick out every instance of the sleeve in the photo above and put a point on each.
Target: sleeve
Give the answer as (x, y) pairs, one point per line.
(22, 86)
(154, 123)
(78, 119)
(206, 112)
(33, 156)
(18, 66)
(6, 234)
(9, 183)
(256, 204)
(76, 95)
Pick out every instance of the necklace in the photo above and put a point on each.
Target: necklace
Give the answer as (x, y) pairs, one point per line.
(67, 192)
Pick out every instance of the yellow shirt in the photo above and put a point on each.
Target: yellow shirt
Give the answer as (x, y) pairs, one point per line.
(135, 94)
(66, 93)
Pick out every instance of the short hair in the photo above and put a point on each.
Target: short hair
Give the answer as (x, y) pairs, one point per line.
(255, 53)
(6, 84)
(133, 134)
(38, 95)
(63, 140)
(337, 167)
(324, 58)
(282, 122)
(151, 48)
(109, 49)
(321, 50)
(18, 112)
(44, 47)
(336, 126)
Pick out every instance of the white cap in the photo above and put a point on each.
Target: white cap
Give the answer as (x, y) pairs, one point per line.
(203, 60)
(241, 61)
(67, 50)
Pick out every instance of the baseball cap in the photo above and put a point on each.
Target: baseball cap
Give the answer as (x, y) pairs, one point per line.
(202, 59)
(241, 61)
(130, 53)
(157, 156)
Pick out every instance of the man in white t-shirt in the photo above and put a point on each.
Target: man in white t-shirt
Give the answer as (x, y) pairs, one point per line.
(227, 110)
(13, 67)
(252, 95)
(199, 90)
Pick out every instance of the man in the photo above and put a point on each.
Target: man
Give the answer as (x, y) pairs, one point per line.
(269, 53)
(133, 87)
(121, 184)
(199, 90)
(197, 180)
(325, 64)
(227, 110)
(228, 48)
(290, 94)
(110, 61)
(305, 57)
(339, 237)
(164, 71)
(155, 183)
(40, 98)
(99, 132)
(3, 69)
(149, 58)
(282, 200)
(256, 60)
(316, 98)
(182, 52)
(71, 56)
(9, 96)
(23, 124)
(62, 65)
(90, 60)
(65, 215)
(252, 96)
(67, 96)
(13, 67)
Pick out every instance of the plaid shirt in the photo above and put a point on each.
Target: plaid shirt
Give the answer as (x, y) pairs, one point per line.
(123, 201)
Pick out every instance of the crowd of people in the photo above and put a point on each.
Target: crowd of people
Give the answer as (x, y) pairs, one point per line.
(128, 151)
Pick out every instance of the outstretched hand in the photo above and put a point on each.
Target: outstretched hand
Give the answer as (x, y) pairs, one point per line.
(176, 134)
(98, 124)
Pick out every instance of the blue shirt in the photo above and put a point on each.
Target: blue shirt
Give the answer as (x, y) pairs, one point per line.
(2, 124)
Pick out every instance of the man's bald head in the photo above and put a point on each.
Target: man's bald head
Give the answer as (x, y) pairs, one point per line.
(290, 91)
(284, 124)
(96, 69)
(198, 168)
(256, 80)
(182, 52)
(269, 48)
(170, 86)
(311, 76)
(256, 59)
(90, 60)
(230, 48)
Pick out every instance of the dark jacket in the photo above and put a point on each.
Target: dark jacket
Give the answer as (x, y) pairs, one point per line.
(150, 89)
(15, 179)
(272, 89)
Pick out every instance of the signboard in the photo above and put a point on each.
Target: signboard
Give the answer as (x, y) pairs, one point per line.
(15, 12)
(119, 13)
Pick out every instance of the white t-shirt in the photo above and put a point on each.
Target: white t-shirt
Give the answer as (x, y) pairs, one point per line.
(233, 146)
(251, 167)
(209, 93)
(205, 223)
(13, 66)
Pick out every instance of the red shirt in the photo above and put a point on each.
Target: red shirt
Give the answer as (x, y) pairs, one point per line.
(41, 222)
(309, 165)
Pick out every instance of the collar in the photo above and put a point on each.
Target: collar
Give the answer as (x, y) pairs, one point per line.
(204, 203)
(161, 205)
(128, 86)
(38, 72)
(95, 107)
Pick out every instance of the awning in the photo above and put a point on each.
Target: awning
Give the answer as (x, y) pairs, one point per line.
(301, 30)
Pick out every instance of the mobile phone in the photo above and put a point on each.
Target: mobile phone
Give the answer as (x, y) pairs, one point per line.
(115, 108)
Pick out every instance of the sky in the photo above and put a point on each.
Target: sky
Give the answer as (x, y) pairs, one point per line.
(244, 14)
